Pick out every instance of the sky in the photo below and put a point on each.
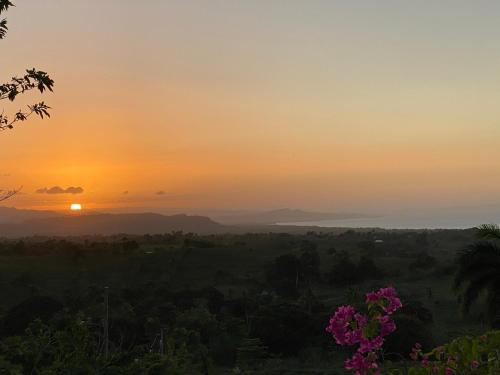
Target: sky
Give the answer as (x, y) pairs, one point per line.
(357, 106)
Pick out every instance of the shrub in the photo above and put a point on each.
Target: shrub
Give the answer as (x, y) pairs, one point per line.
(464, 355)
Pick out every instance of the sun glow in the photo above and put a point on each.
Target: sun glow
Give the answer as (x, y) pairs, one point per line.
(75, 207)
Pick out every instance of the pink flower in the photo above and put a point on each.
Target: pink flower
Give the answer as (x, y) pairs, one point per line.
(372, 297)
(425, 361)
(474, 365)
(448, 371)
(367, 345)
(361, 319)
(387, 298)
(415, 351)
(387, 326)
(361, 364)
(339, 325)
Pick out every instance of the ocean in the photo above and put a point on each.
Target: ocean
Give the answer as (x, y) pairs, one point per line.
(408, 220)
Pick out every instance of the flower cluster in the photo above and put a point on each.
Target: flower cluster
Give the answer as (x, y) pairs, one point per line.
(349, 327)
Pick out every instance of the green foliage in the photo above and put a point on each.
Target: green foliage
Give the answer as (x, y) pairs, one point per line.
(284, 328)
(284, 275)
(409, 331)
(250, 353)
(465, 355)
(423, 261)
(20, 316)
(156, 286)
(345, 271)
(75, 349)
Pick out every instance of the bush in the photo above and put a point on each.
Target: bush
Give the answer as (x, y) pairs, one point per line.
(410, 330)
(464, 355)
(346, 272)
(423, 261)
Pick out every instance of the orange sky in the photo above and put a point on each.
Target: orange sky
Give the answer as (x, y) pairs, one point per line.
(332, 105)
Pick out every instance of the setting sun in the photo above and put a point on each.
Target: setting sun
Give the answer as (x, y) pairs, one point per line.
(75, 207)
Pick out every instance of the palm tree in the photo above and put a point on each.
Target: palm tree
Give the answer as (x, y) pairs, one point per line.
(479, 272)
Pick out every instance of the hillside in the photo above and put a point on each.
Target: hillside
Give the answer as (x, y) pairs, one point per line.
(16, 215)
(107, 224)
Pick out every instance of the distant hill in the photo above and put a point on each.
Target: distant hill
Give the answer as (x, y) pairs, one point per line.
(285, 215)
(15, 215)
(108, 224)
(18, 223)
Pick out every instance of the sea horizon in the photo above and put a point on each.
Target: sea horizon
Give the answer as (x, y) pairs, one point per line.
(406, 221)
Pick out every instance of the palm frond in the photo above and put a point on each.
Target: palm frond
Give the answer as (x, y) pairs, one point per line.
(483, 283)
(463, 277)
(480, 250)
(489, 231)
(4, 5)
(480, 257)
(493, 304)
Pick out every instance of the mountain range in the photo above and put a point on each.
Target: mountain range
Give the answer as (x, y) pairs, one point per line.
(10, 215)
(18, 223)
(109, 224)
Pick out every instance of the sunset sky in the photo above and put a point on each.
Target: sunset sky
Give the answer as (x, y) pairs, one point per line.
(363, 106)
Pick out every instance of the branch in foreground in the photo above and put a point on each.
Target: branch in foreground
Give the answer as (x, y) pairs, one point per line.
(33, 79)
(40, 109)
(6, 194)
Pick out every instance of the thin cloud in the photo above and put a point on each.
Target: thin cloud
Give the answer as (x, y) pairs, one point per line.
(60, 190)
(161, 192)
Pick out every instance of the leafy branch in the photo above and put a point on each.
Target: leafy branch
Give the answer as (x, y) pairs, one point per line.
(4, 5)
(6, 194)
(40, 109)
(32, 80)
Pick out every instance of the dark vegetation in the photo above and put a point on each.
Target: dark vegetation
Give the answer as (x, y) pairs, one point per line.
(188, 304)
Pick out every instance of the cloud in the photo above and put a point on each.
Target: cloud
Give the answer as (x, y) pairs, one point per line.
(60, 190)
(161, 192)
(125, 192)
(74, 190)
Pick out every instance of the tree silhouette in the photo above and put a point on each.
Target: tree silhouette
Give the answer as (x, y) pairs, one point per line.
(479, 272)
(33, 79)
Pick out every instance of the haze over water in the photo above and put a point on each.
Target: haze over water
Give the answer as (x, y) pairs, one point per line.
(456, 218)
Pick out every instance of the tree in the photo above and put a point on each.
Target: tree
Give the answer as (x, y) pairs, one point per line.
(284, 328)
(309, 264)
(18, 318)
(344, 271)
(284, 275)
(32, 79)
(479, 272)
